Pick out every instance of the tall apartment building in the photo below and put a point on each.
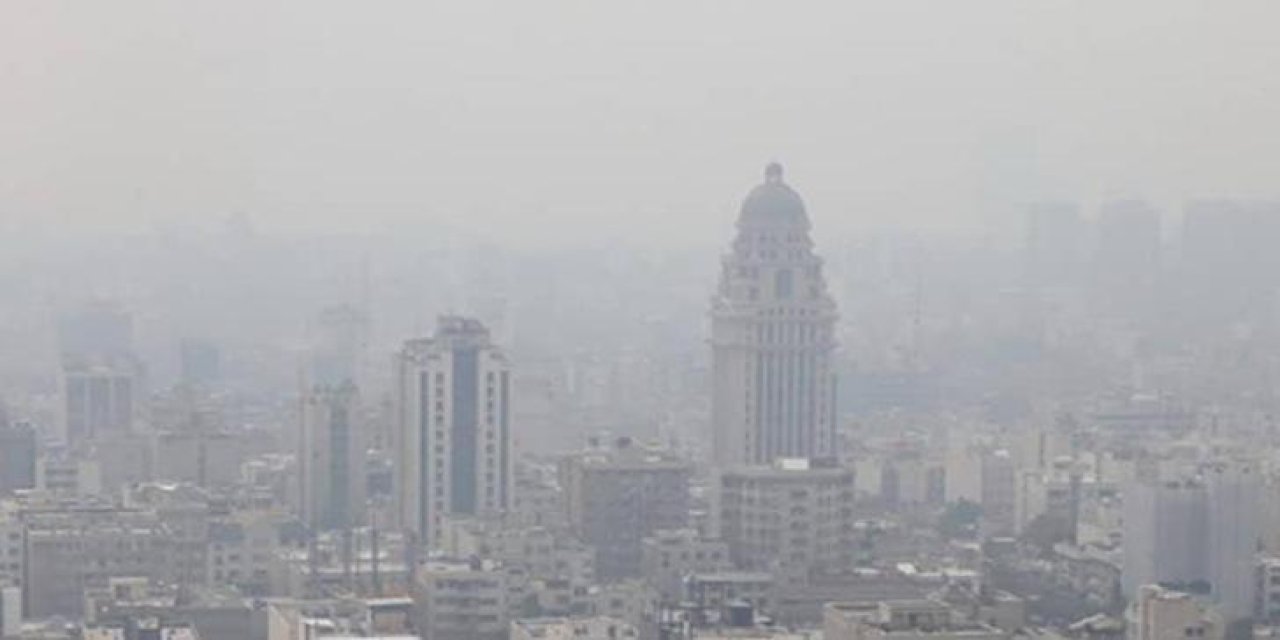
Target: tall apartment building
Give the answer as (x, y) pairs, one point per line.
(615, 497)
(792, 519)
(1165, 534)
(999, 494)
(772, 337)
(454, 435)
(1234, 493)
(331, 458)
(1201, 532)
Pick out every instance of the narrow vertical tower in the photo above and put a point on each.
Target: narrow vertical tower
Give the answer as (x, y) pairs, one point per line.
(331, 458)
(772, 337)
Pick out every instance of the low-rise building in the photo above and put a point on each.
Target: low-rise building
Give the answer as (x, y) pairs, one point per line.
(12, 547)
(669, 556)
(70, 550)
(615, 497)
(241, 548)
(542, 552)
(632, 601)
(144, 629)
(1157, 613)
(335, 619)
(326, 568)
(538, 501)
(714, 591)
(472, 599)
(792, 519)
(65, 473)
(558, 598)
(902, 620)
(587, 628)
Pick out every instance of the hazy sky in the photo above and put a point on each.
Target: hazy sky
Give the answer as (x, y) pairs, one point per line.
(600, 119)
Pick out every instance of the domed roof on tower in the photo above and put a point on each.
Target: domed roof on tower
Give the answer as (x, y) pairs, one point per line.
(773, 203)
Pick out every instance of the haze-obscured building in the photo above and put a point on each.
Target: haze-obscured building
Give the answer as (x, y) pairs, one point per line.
(617, 496)
(17, 455)
(331, 458)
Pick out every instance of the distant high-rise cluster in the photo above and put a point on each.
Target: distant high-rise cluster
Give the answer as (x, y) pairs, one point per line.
(101, 374)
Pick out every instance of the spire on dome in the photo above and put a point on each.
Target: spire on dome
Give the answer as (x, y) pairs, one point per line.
(773, 172)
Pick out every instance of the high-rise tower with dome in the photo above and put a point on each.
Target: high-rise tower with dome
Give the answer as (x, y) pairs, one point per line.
(772, 337)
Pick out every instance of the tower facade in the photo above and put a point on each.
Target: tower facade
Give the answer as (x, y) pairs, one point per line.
(772, 336)
(332, 458)
(1204, 529)
(454, 435)
(1165, 533)
(1234, 497)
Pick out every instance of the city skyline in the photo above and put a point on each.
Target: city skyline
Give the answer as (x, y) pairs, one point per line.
(689, 320)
